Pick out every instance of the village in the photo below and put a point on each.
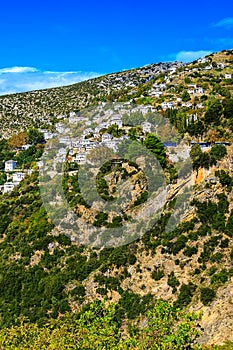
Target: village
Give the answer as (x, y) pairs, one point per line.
(76, 150)
(163, 82)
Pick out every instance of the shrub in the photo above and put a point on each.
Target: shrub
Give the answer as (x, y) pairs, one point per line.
(101, 219)
(224, 178)
(207, 295)
(185, 295)
(219, 278)
(173, 282)
(157, 275)
(189, 251)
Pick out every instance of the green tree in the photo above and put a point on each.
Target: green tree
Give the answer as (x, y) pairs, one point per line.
(217, 152)
(224, 178)
(153, 143)
(185, 96)
(213, 112)
(196, 155)
(228, 108)
(164, 333)
(96, 328)
(35, 137)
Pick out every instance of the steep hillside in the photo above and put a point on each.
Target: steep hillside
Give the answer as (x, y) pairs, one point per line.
(43, 107)
(179, 114)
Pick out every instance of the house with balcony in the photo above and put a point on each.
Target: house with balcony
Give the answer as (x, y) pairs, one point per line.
(228, 76)
(9, 186)
(167, 105)
(17, 177)
(10, 165)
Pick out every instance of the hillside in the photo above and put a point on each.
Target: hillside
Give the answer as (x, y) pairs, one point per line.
(44, 107)
(112, 132)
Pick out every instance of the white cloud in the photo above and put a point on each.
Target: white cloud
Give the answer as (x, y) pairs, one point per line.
(17, 69)
(189, 56)
(29, 78)
(226, 23)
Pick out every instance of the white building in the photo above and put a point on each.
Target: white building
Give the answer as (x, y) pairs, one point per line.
(202, 60)
(9, 186)
(48, 135)
(143, 109)
(124, 137)
(106, 137)
(163, 86)
(10, 165)
(87, 131)
(146, 127)
(65, 140)
(172, 70)
(73, 114)
(17, 177)
(76, 143)
(80, 158)
(85, 142)
(61, 116)
(91, 146)
(112, 144)
(116, 120)
(60, 128)
(187, 104)
(228, 76)
(166, 105)
(62, 151)
(199, 90)
(155, 93)
(101, 126)
(25, 147)
(192, 86)
(221, 65)
(196, 90)
(74, 118)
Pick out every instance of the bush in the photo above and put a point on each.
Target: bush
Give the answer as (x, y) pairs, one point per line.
(207, 295)
(180, 243)
(219, 278)
(101, 219)
(141, 199)
(173, 282)
(217, 152)
(185, 296)
(224, 178)
(157, 275)
(189, 251)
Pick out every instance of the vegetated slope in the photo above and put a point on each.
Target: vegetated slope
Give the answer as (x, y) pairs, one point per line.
(42, 107)
(44, 274)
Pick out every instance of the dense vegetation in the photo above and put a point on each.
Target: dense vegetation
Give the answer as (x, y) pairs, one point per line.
(97, 328)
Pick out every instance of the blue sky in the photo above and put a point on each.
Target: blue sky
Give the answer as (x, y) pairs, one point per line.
(53, 43)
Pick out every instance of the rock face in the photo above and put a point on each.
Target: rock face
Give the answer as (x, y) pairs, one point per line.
(217, 319)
